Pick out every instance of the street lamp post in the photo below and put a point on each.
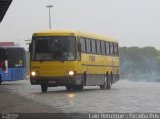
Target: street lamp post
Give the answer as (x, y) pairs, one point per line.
(49, 7)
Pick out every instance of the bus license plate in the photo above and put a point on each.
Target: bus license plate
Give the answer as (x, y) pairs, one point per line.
(51, 82)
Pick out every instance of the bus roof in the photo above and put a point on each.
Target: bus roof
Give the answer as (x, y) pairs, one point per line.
(74, 33)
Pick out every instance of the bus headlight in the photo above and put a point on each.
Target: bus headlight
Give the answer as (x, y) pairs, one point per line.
(33, 73)
(71, 73)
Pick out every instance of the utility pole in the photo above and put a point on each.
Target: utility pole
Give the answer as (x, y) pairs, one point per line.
(49, 7)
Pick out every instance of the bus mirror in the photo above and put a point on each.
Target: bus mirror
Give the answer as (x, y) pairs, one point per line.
(30, 47)
(79, 47)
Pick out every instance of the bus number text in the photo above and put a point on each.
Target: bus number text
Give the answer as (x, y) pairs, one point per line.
(92, 58)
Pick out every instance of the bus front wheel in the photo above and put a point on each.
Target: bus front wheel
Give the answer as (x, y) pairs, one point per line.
(78, 87)
(44, 88)
(69, 87)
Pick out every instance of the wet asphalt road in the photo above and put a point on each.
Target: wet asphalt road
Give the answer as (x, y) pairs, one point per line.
(124, 96)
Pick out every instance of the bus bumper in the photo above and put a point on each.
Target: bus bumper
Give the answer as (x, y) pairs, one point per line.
(57, 81)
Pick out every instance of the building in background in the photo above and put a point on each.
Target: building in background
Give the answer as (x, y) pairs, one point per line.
(9, 44)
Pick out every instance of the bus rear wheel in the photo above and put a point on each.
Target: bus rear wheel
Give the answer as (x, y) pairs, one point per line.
(104, 86)
(44, 88)
(109, 82)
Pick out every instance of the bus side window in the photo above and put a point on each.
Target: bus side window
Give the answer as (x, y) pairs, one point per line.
(79, 47)
(98, 47)
(93, 44)
(112, 48)
(116, 49)
(107, 48)
(83, 44)
(103, 47)
(88, 44)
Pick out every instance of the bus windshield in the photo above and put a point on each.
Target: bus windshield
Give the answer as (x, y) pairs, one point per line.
(16, 57)
(2, 54)
(53, 48)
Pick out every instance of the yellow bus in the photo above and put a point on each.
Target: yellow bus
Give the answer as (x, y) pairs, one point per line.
(73, 59)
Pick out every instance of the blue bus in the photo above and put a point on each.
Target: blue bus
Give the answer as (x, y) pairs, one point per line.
(12, 64)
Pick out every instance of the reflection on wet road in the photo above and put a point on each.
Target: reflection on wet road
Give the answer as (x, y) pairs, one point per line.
(124, 96)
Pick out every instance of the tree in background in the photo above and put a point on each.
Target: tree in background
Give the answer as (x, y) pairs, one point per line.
(140, 63)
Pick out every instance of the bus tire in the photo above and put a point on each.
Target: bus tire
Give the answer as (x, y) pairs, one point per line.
(69, 87)
(78, 87)
(83, 82)
(104, 86)
(44, 88)
(84, 78)
(109, 82)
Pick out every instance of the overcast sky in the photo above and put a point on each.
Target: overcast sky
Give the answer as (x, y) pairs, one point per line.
(132, 22)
